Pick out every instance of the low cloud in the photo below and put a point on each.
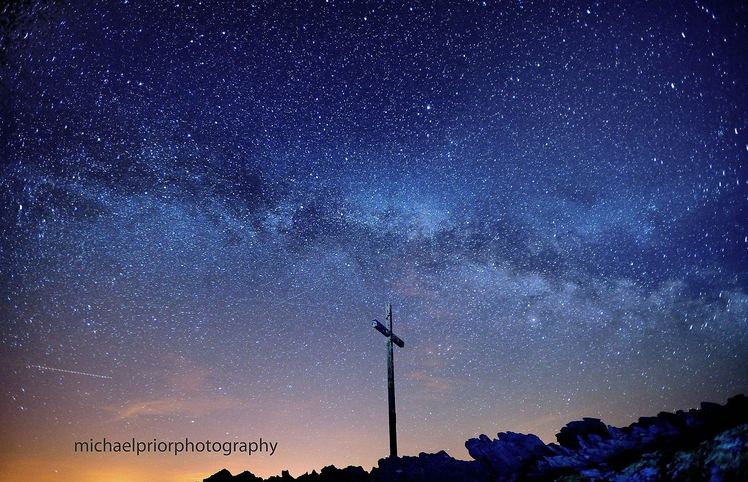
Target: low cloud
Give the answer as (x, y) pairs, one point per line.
(174, 406)
(431, 382)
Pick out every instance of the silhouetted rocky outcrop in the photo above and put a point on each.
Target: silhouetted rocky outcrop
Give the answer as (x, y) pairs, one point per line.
(438, 467)
(705, 444)
(225, 475)
(327, 474)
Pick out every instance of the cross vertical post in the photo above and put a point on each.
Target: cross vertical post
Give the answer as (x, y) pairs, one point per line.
(392, 339)
(391, 385)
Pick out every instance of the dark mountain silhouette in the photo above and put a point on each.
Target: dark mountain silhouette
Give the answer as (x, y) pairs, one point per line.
(705, 444)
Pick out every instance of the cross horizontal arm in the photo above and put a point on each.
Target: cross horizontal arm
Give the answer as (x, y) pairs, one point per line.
(386, 332)
(380, 328)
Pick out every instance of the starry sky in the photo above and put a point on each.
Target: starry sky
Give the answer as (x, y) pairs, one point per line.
(208, 202)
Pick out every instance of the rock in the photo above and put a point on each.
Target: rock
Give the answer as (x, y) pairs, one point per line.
(246, 476)
(225, 476)
(646, 469)
(222, 475)
(684, 467)
(438, 467)
(571, 434)
(510, 454)
(726, 458)
(705, 444)
(348, 474)
(284, 477)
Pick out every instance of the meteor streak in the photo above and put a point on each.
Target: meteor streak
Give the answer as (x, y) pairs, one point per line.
(40, 367)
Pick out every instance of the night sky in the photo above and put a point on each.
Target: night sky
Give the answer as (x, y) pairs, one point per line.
(209, 203)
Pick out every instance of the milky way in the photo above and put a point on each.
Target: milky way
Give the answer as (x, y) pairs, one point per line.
(209, 204)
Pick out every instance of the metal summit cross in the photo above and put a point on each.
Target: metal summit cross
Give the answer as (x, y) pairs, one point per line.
(391, 338)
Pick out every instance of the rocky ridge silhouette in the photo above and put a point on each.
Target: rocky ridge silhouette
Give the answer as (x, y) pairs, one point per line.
(705, 444)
